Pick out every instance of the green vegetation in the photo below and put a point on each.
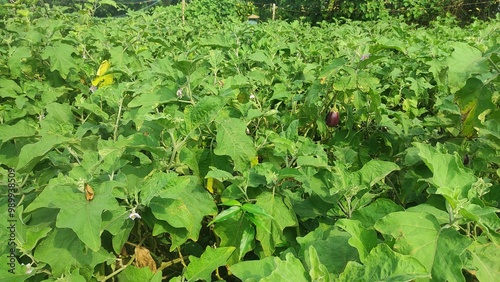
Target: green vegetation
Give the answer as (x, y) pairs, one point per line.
(202, 151)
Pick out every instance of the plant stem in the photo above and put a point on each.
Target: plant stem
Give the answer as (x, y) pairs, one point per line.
(117, 123)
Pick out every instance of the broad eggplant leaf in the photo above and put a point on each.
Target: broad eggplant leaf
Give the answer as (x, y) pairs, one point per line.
(438, 249)
(271, 234)
(383, 264)
(63, 251)
(234, 142)
(202, 268)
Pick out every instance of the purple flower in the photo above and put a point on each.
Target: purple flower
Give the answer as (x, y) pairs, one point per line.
(364, 57)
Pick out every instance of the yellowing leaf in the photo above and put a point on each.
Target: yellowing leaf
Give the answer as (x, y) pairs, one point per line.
(103, 79)
(103, 68)
(210, 185)
(254, 161)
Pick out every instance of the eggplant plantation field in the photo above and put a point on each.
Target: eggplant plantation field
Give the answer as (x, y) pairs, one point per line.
(145, 148)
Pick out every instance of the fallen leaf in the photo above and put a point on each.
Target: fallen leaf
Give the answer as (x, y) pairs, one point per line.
(143, 258)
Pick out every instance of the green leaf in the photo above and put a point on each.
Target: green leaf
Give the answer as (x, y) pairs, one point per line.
(362, 239)
(202, 268)
(381, 207)
(59, 120)
(376, 170)
(485, 262)
(332, 247)
(219, 174)
(236, 232)
(226, 214)
(234, 142)
(80, 215)
(473, 99)
(19, 271)
(254, 209)
(317, 271)
(383, 264)
(271, 269)
(254, 270)
(119, 225)
(158, 183)
(20, 129)
(420, 235)
(290, 269)
(17, 60)
(260, 56)
(134, 274)
(152, 100)
(63, 251)
(204, 112)
(464, 61)
(449, 176)
(60, 55)
(74, 276)
(31, 154)
(9, 88)
(183, 205)
(247, 240)
(282, 217)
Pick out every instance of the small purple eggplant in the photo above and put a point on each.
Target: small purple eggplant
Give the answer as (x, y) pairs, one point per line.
(332, 118)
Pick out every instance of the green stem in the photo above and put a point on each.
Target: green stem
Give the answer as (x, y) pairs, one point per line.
(117, 123)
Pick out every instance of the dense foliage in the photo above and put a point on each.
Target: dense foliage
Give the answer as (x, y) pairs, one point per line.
(415, 11)
(314, 11)
(145, 148)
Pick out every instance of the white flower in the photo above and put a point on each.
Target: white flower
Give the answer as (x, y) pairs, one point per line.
(93, 88)
(133, 215)
(29, 269)
(179, 93)
(252, 96)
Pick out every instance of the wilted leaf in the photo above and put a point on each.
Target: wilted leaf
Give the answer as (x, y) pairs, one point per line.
(143, 258)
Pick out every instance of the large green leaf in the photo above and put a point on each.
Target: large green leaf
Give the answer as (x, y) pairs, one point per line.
(59, 120)
(20, 129)
(449, 176)
(60, 55)
(271, 269)
(463, 62)
(383, 264)
(31, 154)
(202, 268)
(17, 58)
(204, 112)
(63, 251)
(473, 99)
(485, 261)
(237, 232)
(317, 270)
(331, 246)
(134, 274)
(381, 207)
(361, 238)
(375, 170)
(270, 234)
(183, 205)
(419, 235)
(82, 216)
(234, 142)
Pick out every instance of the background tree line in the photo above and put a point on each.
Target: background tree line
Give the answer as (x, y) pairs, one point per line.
(414, 11)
